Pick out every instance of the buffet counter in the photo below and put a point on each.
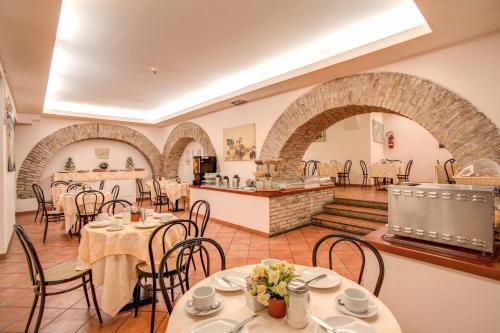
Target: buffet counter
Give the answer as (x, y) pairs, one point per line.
(266, 212)
(436, 285)
(92, 176)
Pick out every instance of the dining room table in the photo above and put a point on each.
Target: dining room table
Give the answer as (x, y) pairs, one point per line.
(113, 256)
(66, 203)
(174, 190)
(56, 191)
(386, 170)
(330, 169)
(322, 304)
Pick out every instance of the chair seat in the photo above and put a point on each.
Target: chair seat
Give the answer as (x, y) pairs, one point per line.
(54, 212)
(144, 269)
(65, 271)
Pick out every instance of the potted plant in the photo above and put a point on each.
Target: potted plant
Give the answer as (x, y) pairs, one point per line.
(129, 163)
(269, 284)
(69, 165)
(103, 165)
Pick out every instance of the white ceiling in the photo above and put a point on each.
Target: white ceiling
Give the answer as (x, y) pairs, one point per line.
(205, 51)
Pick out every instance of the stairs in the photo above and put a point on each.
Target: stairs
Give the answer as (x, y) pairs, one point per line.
(354, 216)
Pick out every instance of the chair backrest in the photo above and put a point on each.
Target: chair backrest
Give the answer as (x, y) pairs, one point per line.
(88, 202)
(59, 182)
(311, 168)
(448, 168)
(140, 186)
(157, 188)
(74, 186)
(357, 242)
(115, 191)
(184, 255)
(101, 185)
(111, 205)
(199, 214)
(347, 166)
(408, 168)
(364, 169)
(34, 265)
(40, 197)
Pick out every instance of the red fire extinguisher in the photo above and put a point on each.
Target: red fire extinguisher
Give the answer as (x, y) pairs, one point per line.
(390, 139)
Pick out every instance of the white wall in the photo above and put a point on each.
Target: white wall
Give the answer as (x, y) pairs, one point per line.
(186, 161)
(7, 179)
(348, 139)
(412, 141)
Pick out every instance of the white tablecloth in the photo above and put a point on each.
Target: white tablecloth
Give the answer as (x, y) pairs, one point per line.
(66, 203)
(92, 176)
(174, 190)
(389, 170)
(113, 257)
(56, 191)
(330, 169)
(322, 305)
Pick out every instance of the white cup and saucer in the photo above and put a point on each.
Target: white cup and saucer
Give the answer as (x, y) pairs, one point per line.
(204, 301)
(269, 262)
(357, 303)
(165, 217)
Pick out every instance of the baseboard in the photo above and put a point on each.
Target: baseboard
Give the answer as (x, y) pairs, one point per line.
(240, 227)
(27, 212)
(4, 255)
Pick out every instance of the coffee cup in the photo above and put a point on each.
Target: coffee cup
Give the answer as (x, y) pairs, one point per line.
(150, 212)
(166, 217)
(115, 223)
(355, 300)
(203, 297)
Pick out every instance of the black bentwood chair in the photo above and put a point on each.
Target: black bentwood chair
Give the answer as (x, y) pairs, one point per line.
(142, 193)
(101, 185)
(357, 242)
(160, 199)
(87, 207)
(149, 270)
(110, 206)
(47, 215)
(58, 183)
(345, 175)
(406, 176)
(449, 170)
(115, 191)
(40, 199)
(364, 169)
(54, 275)
(74, 186)
(183, 253)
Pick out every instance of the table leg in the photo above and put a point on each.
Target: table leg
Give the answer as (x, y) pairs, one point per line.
(177, 206)
(144, 299)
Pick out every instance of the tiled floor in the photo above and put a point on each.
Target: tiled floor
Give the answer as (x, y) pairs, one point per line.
(68, 312)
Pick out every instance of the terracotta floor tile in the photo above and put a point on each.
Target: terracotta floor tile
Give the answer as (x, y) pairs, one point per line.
(20, 324)
(9, 315)
(239, 246)
(109, 325)
(258, 254)
(16, 297)
(141, 323)
(237, 254)
(281, 254)
(66, 300)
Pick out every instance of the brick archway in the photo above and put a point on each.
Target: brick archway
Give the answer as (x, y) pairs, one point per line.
(453, 121)
(177, 141)
(37, 159)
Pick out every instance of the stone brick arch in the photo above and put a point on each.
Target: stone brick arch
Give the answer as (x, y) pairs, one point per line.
(177, 141)
(37, 159)
(453, 121)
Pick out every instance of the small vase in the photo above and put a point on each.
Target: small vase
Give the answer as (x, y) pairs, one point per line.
(253, 304)
(276, 308)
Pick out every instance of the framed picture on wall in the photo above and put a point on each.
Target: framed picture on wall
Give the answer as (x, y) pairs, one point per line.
(9, 132)
(239, 143)
(377, 131)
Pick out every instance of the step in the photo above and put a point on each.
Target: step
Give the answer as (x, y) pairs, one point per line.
(367, 213)
(361, 203)
(344, 223)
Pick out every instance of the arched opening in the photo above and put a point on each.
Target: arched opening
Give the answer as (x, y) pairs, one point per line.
(454, 122)
(185, 135)
(38, 158)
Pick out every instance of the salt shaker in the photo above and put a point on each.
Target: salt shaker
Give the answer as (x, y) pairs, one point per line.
(298, 304)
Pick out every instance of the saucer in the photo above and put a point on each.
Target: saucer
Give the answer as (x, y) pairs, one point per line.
(217, 325)
(99, 224)
(110, 228)
(192, 311)
(148, 225)
(372, 308)
(350, 324)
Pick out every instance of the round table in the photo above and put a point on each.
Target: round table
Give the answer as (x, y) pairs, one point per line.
(173, 190)
(113, 257)
(66, 204)
(322, 305)
(386, 170)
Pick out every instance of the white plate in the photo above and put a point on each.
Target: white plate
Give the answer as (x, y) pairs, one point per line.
(372, 308)
(217, 325)
(331, 280)
(118, 216)
(234, 276)
(349, 323)
(110, 228)
(99, 224)
(189, 308)
(148, 225)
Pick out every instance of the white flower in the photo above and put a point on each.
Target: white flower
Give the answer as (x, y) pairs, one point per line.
(273, 276)
(263, 298)
(281, 288)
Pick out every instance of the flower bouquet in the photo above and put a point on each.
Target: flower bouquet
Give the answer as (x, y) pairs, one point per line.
(268, 285)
